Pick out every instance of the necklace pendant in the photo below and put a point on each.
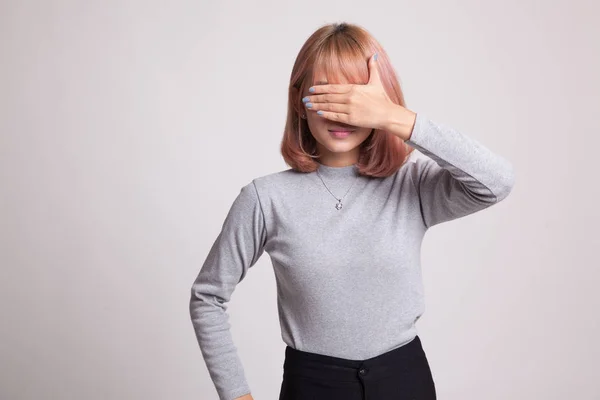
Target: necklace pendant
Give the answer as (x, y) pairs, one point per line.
(339, 205)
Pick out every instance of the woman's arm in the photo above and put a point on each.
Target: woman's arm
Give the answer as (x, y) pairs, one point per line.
(238, 247)
(460, 177)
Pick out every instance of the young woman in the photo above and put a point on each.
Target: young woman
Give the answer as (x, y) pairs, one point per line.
(343, 228)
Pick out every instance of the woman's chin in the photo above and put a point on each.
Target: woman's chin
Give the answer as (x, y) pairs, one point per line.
(339, 147)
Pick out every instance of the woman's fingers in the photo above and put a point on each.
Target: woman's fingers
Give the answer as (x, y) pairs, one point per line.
(334, 116)
(330, 88)
(335, 107)
(327, 98)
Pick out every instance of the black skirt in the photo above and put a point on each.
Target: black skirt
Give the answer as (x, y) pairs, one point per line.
(399, 374)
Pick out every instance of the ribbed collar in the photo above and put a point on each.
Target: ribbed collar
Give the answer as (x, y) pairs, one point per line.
(331, 173)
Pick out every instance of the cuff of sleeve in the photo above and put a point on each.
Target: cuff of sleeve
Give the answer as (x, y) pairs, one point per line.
(235, 393)
(418, 129)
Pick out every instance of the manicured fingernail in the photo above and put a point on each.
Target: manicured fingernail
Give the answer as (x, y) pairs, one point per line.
(375, 57)
(309, 105)
(320, 112)
(312, 89)
(304, 100)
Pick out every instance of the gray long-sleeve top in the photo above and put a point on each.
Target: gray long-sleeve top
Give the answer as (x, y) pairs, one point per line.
(349, 281)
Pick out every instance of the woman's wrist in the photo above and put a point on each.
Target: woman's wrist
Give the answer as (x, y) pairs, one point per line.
(401, 122)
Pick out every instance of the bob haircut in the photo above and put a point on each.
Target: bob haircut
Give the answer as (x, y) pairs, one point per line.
(341, 52)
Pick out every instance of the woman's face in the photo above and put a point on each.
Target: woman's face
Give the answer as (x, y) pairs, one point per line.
(337, 142)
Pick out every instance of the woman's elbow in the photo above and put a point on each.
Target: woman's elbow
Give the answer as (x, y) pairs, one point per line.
(506, 182)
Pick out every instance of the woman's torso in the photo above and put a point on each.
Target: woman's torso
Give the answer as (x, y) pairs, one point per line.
(348, 281)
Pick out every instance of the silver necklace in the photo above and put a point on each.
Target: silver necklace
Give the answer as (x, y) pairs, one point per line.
(338, 205)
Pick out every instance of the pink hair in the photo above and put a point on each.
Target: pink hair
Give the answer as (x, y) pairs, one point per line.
(341, 51)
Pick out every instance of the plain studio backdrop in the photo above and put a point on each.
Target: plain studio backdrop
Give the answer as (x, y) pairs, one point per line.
(129, 127)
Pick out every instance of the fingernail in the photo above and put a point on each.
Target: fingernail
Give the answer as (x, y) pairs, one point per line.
(309, 105)
(304, 100)
(312, 89)
(320, 112)
(375, 57)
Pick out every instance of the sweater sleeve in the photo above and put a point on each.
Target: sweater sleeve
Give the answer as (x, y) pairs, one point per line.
(238, 247)
(460, 175)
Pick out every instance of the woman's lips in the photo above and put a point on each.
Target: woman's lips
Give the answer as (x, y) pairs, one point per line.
(340, 133)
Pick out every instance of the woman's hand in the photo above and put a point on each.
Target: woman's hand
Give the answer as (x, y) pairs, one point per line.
(365, 106)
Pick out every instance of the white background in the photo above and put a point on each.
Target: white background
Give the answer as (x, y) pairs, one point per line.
(128, 128)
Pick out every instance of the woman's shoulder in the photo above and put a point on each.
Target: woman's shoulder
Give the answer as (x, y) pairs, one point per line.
(280, 186)
(279, 177)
